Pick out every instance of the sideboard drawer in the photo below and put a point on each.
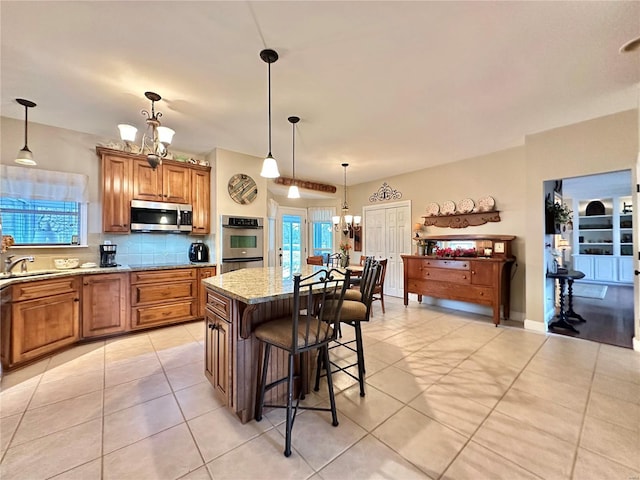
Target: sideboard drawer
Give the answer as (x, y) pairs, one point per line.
(445, 275)
(442, 263)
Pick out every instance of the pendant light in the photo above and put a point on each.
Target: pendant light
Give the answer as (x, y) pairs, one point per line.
(293, 189)
(25, 157)
(269, 166)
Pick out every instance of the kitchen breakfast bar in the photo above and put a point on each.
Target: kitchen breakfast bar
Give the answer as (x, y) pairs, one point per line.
(237, 302)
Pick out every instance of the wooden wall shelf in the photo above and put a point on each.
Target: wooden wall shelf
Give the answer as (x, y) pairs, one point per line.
(462, 220)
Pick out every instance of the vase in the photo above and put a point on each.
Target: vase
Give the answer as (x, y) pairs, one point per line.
(420, 249)
(344, 261)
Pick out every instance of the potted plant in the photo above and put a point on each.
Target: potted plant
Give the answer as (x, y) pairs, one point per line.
(559, 214)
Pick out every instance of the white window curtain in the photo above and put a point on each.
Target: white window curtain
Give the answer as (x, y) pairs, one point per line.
(321, 214)
(36, 184)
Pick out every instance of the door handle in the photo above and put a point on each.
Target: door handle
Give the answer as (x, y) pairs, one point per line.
(636, 272)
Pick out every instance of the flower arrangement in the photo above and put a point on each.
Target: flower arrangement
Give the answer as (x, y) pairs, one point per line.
(345, 247)
(7, 241)
(456, 252)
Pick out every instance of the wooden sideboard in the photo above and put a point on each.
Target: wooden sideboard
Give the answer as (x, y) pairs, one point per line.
(479, 280)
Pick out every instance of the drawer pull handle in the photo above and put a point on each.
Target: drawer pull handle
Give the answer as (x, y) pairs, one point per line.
(464, 277)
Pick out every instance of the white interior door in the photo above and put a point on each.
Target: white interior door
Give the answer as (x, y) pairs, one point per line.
(291, 238)
(388, 235)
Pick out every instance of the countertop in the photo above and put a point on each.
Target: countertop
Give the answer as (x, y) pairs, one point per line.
(35, 275)
(257, 285)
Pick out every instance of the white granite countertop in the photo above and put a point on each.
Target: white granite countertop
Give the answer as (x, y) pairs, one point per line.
(257, 285)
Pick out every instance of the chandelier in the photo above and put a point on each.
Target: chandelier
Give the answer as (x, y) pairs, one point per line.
(156, 138)
(346, 222)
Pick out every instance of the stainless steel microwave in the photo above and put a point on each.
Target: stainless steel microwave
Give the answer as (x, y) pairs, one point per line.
(160, 217)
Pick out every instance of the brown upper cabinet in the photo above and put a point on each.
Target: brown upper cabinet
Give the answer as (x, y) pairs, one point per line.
(127, 176)
(166, 183)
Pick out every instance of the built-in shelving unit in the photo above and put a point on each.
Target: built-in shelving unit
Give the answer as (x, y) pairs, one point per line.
(603, 242)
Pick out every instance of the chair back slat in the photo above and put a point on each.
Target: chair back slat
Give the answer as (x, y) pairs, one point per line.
(370, 276)
(317, 323)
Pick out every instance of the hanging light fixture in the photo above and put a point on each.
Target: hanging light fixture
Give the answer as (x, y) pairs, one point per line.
(346, 222)
(293, 189)
(269, 166)
(25, 157)
(156, 138)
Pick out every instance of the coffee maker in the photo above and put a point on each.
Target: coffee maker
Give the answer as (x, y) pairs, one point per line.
(108, 256)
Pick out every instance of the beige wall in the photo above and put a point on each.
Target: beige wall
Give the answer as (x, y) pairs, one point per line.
(498, 174)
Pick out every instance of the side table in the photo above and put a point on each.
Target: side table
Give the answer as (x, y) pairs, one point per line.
(566, 277)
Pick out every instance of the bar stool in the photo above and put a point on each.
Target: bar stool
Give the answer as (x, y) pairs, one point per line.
(353, 313)
(317, 303)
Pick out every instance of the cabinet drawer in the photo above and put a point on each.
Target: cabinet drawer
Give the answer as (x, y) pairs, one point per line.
(452, 291)
(219, 304)
(445, 275)
(450, 264)
(167, 292)
(153, 315)
(170, 276)
(44, 288)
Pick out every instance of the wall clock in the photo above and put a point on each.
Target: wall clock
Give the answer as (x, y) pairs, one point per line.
(242, 188)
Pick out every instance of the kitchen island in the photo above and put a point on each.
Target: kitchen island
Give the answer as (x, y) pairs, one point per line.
(237, 302)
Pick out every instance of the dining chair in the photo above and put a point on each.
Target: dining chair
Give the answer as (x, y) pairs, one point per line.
(334, 260)
(317, 304)
(353, 313)
(378, 289)
(315, 260)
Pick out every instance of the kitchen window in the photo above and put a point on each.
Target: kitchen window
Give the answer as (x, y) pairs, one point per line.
(321, 230)
(43, 208)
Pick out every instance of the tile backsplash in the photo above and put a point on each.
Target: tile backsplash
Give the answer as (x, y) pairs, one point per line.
(132, 249)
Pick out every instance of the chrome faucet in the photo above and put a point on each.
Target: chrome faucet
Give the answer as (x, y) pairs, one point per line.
(9, 263)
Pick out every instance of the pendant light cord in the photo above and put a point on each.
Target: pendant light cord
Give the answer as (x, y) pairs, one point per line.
(293, 151)
(26, 122)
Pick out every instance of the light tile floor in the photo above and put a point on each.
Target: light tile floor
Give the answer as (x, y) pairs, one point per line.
(448, 397)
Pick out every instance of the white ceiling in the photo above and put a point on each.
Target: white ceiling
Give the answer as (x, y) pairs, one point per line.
(389, 87)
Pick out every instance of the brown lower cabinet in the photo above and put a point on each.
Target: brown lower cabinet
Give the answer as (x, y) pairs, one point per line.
(43, 317)
(161, 297)
(40, 317)
(218, 354)
(105, 304)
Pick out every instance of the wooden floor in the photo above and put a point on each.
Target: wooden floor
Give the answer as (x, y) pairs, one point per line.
(609, 320)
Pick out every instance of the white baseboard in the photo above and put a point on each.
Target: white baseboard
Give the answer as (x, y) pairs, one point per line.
(636, 343)
(535, 326)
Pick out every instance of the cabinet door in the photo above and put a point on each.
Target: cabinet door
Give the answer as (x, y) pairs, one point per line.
(176, 183)
(104, 304)
(43, 325)
(116, 195)
(200, 200)
(147, 182)
(202, 291)
(625, 269)
(484, 273)
(585, 265)
(604, 269)
(217, 352)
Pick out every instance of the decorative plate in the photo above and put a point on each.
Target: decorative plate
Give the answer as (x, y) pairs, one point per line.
(466, 205)
(486, 204)
(448, 208)
(433, 209)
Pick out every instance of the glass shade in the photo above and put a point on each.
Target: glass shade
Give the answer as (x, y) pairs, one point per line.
(165, 135)
(335, 220)
(348, 218)
(270, 167)
(357, 219)
(25, 157)
(293, 192)
(127, 132)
